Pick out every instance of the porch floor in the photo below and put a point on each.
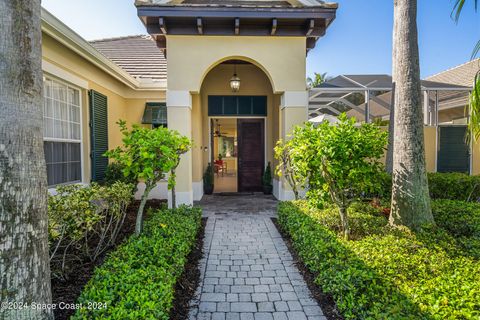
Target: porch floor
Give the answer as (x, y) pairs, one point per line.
(247, 271)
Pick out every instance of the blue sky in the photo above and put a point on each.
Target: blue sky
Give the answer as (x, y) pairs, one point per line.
(359, 40)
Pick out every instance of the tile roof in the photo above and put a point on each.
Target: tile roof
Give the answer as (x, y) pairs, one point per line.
(138, 55)
(238, 3)
(462, 75)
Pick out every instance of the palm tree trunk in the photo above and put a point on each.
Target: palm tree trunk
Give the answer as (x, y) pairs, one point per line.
(410, 198)
(24, 257)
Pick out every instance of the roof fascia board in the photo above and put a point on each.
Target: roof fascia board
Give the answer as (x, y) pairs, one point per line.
(236, 12)
(69, 38)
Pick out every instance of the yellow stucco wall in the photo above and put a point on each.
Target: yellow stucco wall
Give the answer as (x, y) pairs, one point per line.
(430, 137)
(430, 148)
(199, 130)
(123, 102)
(190, 58)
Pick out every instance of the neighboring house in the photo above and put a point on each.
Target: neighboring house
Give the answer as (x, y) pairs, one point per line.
(462, 75)
(445, 106)
(235, 85)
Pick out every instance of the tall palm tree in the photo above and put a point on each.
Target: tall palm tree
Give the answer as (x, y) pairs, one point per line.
(318, 79)
(24, 258)
(410, 197)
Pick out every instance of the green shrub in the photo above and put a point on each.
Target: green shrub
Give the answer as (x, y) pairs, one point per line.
(267, 176)
(386, 273)
(114, 173)
(83, 221)
(137, 280)
(454, 186)
(148, 154)
(208, 176)
(340, 162)
(461, 220)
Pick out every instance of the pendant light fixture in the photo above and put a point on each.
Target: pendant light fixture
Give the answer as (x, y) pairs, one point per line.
(235, 80)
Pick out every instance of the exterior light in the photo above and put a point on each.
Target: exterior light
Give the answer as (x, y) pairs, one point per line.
(235, 81)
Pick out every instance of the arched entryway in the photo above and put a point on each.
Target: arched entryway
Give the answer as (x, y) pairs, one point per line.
(239, 128)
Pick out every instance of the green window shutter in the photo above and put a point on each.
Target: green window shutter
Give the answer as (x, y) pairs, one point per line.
(454, 152)
(98, 134)
(155, 113)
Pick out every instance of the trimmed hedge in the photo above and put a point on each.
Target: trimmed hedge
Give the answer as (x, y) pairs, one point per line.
(452, 186)
(137, 280)
(384, 273)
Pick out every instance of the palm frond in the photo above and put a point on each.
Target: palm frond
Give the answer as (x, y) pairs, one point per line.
(476, 50)
(474, 108)
(458, 7)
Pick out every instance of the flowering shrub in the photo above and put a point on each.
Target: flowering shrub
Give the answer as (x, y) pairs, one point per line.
(84, 221)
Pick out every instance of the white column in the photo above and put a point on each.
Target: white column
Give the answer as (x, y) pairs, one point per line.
(179, 116)
(293, 112)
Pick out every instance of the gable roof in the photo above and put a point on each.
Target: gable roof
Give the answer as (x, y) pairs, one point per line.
(138, 55)
(463, 74)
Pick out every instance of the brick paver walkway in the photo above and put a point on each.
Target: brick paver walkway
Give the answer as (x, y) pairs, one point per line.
(247, 271)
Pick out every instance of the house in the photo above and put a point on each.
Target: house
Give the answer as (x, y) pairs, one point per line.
(235, 85)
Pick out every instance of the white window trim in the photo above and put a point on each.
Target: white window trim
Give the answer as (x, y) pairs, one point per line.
(52, 189)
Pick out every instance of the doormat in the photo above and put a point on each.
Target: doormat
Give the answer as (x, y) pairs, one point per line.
(235, 194)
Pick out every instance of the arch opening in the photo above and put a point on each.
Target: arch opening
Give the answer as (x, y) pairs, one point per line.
(220, 119)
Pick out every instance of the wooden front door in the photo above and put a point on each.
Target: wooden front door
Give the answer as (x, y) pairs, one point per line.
(251, 154)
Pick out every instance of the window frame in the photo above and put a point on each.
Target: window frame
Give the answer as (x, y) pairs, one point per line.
(48, 77)
(159, 104)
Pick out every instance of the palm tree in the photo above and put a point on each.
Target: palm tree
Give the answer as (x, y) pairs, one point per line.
(24, 257)
(318, 79)
(410, 197)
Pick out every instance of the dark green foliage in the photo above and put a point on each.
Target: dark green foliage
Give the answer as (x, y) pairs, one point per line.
(462, 221)
(208, 176)
(453, 186)
(385, 273)
(114, 173)
(267, 176)
(137, 280)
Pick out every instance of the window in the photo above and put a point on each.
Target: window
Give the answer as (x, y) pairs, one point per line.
(155, 114)
(62, 133)
(237, 106)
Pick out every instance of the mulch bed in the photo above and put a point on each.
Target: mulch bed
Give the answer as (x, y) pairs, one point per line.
(69, 290)
(189, 280)
(325, 301)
